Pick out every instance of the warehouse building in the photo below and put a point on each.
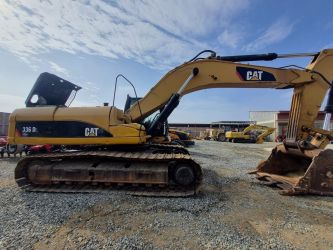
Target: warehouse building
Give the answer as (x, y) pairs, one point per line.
(4, 117)
(279, 120)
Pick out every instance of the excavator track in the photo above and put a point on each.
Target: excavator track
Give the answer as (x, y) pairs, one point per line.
(143, 173)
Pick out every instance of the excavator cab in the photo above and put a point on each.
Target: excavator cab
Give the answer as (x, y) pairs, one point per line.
(130, 101)
(161, 131)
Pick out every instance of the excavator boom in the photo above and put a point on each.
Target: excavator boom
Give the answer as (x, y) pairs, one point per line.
(215, 73)
(266, 131)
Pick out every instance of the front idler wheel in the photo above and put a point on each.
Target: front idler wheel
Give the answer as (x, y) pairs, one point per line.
(184, 175)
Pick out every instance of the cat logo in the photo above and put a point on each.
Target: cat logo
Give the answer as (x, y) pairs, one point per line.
(251, 74)
(90, 131)
(254, 75)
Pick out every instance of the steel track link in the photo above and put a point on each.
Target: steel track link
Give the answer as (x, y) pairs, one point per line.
(147, 189)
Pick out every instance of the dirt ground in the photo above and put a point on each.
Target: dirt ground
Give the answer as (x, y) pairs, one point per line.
(232, 211)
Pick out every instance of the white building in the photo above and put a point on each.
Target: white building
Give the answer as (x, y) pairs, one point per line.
(279, 120)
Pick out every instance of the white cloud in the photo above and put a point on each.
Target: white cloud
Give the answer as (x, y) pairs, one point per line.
(230, 38)
(275, 33)
(90, 95)
(10, 102)
(157, 33)
(58, 68)
(186, 18)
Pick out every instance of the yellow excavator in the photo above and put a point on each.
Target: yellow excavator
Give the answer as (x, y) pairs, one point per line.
(181, 137)
(107, 148)
(251, 134)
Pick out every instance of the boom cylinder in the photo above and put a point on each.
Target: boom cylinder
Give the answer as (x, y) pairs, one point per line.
(171, 104)
(262, 57)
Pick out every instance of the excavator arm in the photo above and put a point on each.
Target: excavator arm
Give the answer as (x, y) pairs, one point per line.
(310, 86)
(266, 131)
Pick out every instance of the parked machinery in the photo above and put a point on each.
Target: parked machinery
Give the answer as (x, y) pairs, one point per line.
(251, 134)
(114, 147)
(3, 143)
(10, 149)
(180, 137)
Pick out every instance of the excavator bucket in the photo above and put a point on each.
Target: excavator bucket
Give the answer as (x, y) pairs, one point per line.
(295, 172)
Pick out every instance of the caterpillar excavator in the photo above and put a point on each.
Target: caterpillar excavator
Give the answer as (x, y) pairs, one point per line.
(253, 134)
(181, 137)
(107, 148)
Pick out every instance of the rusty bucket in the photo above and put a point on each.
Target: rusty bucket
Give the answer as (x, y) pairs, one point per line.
(298, 172)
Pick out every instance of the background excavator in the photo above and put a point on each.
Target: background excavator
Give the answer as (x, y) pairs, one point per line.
(181, 137)
(251, 134)
(114, 148)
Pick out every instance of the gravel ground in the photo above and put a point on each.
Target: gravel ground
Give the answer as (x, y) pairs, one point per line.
(233, 211)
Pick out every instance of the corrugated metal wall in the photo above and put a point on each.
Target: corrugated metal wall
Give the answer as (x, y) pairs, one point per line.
(262, 116)
(4, 123)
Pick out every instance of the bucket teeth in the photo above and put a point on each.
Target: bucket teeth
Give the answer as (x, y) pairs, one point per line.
(296, 173)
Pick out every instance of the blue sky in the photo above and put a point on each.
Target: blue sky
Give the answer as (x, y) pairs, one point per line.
(90, 42)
